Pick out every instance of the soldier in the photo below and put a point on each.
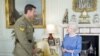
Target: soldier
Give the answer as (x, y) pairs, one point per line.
(24, 32)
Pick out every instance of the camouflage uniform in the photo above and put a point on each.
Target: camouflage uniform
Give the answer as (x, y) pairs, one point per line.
(24, 37)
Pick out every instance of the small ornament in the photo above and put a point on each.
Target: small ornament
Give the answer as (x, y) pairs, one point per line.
(73, 18)
(96, 19)
(65, 19)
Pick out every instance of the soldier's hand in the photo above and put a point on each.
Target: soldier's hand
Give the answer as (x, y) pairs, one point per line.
(37, 50)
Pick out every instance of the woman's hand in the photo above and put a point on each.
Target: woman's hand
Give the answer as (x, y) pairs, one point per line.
(64, 50)
(70, 51)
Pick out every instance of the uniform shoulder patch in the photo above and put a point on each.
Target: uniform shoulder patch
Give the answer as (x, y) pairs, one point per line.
(22, 28)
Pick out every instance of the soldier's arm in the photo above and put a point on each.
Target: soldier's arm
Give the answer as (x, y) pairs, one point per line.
(20, 29)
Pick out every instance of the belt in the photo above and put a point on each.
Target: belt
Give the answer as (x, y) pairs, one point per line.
(30, 41)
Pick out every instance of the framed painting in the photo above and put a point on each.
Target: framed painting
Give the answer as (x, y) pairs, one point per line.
(15, 8)
(57, 41)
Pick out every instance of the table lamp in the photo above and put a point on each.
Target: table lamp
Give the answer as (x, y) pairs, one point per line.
(51, 29)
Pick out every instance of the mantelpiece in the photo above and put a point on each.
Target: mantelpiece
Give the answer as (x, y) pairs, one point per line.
(84, 25)
(87, 28)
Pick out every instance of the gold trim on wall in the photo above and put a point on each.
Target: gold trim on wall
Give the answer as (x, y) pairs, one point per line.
(78, 4)
(10, 9)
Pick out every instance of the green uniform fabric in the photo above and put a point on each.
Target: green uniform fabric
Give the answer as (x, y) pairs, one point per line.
(24, 37)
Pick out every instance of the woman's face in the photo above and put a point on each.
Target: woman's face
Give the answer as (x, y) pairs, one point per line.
(70, 29)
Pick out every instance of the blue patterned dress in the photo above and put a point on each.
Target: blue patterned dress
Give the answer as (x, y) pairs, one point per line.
(72, 43)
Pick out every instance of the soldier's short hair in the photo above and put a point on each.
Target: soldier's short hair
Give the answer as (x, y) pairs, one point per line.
(28, 7)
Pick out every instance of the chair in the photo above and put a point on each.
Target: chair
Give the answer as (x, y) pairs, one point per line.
(44, 47)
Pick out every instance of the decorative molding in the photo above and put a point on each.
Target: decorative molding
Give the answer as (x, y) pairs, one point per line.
(83, 25)
(89, 30)
(85, 30)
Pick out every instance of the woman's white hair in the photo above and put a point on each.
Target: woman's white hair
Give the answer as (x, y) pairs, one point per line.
(73, 26)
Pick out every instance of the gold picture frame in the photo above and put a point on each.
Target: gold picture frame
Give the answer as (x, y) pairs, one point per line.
(57, 41)
(15, 8)
(81, 5)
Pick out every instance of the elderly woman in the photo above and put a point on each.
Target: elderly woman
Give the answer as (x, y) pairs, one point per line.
(71, 45)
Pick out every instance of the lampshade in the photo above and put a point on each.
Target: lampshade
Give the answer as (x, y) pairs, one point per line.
(51, 28)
